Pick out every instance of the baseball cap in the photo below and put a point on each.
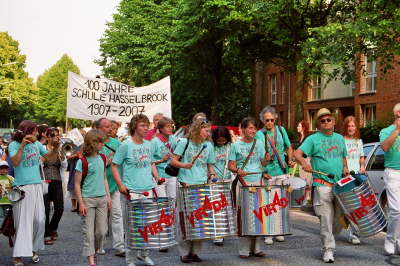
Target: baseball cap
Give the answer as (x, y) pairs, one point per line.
(3, 163)
(322, 112)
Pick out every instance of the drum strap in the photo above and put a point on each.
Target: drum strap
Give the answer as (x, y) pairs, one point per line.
(281, 163)
(239, 178)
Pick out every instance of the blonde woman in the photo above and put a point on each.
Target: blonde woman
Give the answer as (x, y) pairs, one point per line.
(194, 173)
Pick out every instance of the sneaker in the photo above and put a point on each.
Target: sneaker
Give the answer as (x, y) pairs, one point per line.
(219, 242)
(268, 241)
(48, 241)
(280, 238)
(131, 264)
(327, 257)
(389, 248)
(352, 238)
(35, 258)
(146, 259)
(120, 253)
(101, 252)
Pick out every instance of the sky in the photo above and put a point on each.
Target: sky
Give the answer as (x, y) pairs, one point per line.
(46, 29)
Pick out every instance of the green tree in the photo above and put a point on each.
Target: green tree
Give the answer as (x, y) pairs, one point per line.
(52, 97)
(15, 84)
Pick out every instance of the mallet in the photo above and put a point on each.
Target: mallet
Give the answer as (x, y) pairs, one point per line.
(197, 156)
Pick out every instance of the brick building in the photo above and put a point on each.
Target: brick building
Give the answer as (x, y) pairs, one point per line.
(370, 98)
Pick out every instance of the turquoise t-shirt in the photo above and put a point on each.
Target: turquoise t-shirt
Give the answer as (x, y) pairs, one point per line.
(239, 152)
(93, 185)
(326, 153)
(28, 171)
(113, 144)
(136, 160)
(355, 150)
(160, 150)
(198, 173)
(392, 156)
(282, 143)
(221, 161)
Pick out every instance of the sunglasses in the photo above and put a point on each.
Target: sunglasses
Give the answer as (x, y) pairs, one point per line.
(269, 120)
(328, 120)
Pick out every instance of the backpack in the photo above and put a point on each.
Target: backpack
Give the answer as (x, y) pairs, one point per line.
(85, 166)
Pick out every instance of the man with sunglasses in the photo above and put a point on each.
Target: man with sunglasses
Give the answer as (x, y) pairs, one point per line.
(390, 143)
(276, 142)
(327, 151)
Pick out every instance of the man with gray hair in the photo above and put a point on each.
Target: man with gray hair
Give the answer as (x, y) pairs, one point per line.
(276, 142)
(390, 143)
(151, 133)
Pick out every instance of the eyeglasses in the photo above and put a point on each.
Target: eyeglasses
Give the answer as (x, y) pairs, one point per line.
(269, 120)
(328, 120)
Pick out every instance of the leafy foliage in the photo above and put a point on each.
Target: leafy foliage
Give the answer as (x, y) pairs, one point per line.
(14, 83)
(52, 84)
(370, 133)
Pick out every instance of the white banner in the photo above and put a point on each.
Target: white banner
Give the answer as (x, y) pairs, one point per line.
(93, 98)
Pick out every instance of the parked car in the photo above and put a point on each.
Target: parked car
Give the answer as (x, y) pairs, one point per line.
(375, 166)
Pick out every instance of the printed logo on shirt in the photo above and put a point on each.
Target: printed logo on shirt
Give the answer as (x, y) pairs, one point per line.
(141, 157)
(192, 152)
(352, 149)
(244, 151)
(31, 156)
(331, 148)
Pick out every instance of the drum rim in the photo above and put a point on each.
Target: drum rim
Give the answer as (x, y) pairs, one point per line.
(206, 184)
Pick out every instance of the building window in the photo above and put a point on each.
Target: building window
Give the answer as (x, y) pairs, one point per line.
(369, 114)
(312, 117)
(283, 88)
(370, 75)
(317, 88)
(272, 80)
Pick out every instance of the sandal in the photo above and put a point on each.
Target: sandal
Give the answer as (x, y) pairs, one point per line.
(35, 258)
(54, 236)
(18, 262)
(260, 254)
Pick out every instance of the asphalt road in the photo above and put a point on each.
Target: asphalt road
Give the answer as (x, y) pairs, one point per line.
(301, 248)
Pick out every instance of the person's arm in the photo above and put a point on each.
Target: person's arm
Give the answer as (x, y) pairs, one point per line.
(107, 188)
(388, 142)
(78, 193)
(211, 171)
(16, 159)
(154, 172)
(345, 168)
(289, 152)
(298, 155)
(362, 164)
(115, 172)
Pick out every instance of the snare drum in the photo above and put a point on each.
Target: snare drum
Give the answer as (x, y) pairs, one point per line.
(298, 195)
(206, 211)
(150, 223)
(263, 211)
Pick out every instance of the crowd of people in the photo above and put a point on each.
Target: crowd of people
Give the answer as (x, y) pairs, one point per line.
(105, 173)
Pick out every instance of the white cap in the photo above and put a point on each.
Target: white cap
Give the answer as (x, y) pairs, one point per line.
(3, 163)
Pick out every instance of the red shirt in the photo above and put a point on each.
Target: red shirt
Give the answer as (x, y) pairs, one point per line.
(150, 134)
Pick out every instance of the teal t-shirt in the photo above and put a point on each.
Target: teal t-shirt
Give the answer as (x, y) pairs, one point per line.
(392, 156)
(113, 144)
(221, 161)
(136, 160)
(282, 143)
(239, 152)
(355, 150)
(28, 171)
(93, 184)
(198, 173)
(326, 153)
(160, 150)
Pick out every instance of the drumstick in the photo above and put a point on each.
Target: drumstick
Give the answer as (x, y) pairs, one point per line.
(322, 173)
(197, 156)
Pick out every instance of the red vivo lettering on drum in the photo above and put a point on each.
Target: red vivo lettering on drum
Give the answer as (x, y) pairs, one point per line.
(360, 212)
(270, 208)
(155, 228)
(216, 206)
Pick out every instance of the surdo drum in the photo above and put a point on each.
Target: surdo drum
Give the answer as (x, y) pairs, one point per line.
(298, 195)
(150, 223)
(206, 211)
(263, 211)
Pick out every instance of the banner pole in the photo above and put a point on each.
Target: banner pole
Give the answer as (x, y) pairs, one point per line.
(66, 124)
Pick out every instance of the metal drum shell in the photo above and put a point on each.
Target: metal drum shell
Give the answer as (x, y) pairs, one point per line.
(298, 194)
(219, 224)
(275, 224)
(142, 212)
(371, 223)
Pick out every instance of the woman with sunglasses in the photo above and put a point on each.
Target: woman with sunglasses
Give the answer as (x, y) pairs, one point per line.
(52, 166)
(355, 159)
(241, 149)
(276, 142)
(193, 172)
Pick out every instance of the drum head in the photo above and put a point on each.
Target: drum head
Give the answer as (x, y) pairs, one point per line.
(297, 183)
(16, 194)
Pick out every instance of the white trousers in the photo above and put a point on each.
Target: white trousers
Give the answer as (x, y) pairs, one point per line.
(117, 223)
(29, 221)
(327, 209)
(391, 178)
(130, 255)
(167, 189)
